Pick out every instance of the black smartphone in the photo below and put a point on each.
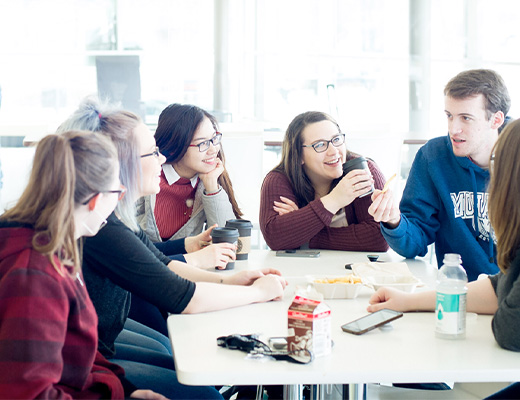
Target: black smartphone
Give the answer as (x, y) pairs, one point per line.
(371, 321)
(298, 253)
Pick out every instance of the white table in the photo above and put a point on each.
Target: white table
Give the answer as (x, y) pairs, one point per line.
(408, 352)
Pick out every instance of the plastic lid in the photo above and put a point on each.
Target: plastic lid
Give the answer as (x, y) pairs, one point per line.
(224, 232)
(238, 223)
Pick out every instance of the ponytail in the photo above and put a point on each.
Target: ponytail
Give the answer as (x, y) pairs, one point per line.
(67, 169)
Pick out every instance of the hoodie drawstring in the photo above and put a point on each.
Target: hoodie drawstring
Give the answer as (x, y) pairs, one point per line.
(475, 217)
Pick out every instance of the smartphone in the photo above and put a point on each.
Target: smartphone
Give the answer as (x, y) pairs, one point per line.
(371, 321)
(298, 253)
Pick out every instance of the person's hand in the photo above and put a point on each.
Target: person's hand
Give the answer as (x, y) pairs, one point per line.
(249, 277)
(272, 286)
(389, 298)
(356, 183)
(147, 394)
(215, 255)
(198, 242)
(384, 208)
(285, 206)
(210, 179)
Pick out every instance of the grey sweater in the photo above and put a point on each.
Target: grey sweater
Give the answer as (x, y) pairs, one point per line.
(506, 322)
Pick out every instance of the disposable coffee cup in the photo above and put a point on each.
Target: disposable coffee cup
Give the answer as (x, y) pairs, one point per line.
(357, 163)
(225, 235)
(244, 236)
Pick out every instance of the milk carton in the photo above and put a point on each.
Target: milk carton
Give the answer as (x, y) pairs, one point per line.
(309, 326)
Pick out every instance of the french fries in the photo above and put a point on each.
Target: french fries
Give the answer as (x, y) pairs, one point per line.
(351, 278)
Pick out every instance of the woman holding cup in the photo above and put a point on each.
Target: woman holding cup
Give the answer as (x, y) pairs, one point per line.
(121, 261)
(308, 200)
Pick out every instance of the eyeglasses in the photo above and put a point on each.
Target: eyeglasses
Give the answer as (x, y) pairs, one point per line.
(203, 146)
(155, 153)
(322, 145)
(121, 193)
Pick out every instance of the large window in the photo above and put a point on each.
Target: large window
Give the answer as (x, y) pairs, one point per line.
(378, 65)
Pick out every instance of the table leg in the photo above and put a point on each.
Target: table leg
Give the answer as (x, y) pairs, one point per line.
(259, 392)
(293, 392)
(357, 391)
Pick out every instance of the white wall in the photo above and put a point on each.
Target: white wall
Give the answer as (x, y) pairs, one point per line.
(16, 167)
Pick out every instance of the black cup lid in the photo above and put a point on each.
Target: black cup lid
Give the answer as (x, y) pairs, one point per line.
(224, 232)
(351, 163)
(239, 223)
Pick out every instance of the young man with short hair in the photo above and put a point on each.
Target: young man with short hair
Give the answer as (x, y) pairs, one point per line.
(445, 198)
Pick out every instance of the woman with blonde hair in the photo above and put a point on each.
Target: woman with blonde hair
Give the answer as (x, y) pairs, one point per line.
(496, 294)
(48, 325)
(121, 261)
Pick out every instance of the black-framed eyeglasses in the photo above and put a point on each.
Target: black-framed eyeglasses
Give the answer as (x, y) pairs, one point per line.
(322, 145)
(155, 153)
(121, 193)
(203, 146)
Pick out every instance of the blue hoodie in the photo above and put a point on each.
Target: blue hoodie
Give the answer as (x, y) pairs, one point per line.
(437, 206)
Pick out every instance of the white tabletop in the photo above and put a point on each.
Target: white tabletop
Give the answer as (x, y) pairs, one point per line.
(408, 352)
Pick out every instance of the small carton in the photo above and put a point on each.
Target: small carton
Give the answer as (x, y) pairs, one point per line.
(309, 326)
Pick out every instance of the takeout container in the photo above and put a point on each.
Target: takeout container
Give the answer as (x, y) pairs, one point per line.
(405, 283)
(337, 290)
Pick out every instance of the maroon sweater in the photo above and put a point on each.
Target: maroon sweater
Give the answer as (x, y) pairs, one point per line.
(311, 223)
(48, 329)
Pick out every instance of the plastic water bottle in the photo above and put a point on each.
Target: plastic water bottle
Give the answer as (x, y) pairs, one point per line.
(450, 309)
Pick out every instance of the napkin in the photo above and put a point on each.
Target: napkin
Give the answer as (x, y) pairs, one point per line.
(369, 270)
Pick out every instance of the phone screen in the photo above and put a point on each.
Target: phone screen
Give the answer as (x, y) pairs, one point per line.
(371, 321)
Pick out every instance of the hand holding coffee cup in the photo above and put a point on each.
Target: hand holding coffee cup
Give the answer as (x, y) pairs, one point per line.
(364, 187)
(225, 235)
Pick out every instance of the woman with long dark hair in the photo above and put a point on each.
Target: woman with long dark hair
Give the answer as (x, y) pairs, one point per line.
(306, 200)
(195, 186)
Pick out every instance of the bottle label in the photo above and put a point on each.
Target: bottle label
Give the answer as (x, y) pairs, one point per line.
(450, 313)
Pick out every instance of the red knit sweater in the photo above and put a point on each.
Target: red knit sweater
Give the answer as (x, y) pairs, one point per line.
(311, 223)
(48, 330)
(173, 206)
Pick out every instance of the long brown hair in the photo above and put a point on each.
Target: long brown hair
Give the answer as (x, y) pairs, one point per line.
(504, 194)
(291, 162)
(175, 129)
(67, 170)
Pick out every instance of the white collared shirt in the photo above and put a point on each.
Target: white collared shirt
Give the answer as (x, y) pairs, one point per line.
(172, 176)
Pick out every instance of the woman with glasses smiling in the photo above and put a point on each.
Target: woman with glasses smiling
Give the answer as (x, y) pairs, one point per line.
(120, 262)
(306, 200)
(195, 186)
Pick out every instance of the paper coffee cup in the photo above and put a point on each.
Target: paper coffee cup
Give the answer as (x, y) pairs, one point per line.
(357, 163)
(225, 235)
(244, 236)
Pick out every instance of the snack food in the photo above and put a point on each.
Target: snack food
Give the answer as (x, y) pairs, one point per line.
(350, 278)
